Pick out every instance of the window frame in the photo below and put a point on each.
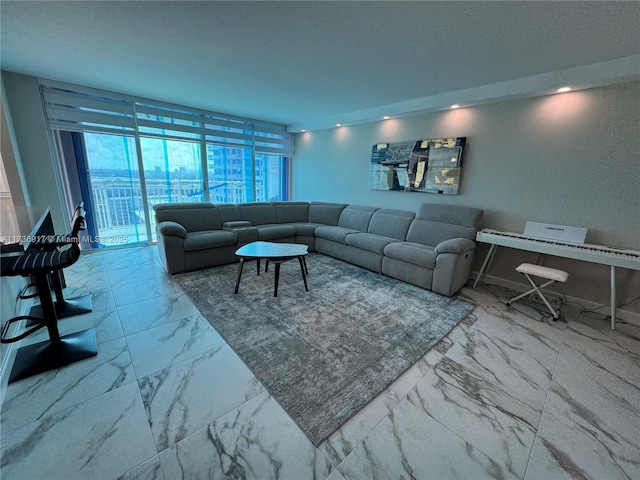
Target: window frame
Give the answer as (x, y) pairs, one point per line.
(75, 108)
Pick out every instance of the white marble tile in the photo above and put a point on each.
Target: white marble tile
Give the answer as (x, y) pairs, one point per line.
(530, 319)
(590, 427)
(596, 339)
(149, 470)
(35, 397)
(101, 299)
(533, 316)
(159, 347)
(87, 264)
(126, 293)
(157, 311)
(256, 441)
(125, 258)
(136, 272)
(478, 411)
(484, 294)
(342, 442)
(346, 438)
(187, 396)
(510, 356)
(98, 439)
(411, 444)
(106, 323)
(87, 281)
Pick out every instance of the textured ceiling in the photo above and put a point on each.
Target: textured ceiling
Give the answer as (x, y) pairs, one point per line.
(311, 62)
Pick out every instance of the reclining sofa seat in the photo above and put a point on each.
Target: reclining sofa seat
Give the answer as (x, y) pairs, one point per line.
(439, 251)
(190, 236)
(331, 240)
(363, 233)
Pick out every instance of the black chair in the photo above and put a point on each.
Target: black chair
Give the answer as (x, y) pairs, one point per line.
(64, 307)
(57, 351)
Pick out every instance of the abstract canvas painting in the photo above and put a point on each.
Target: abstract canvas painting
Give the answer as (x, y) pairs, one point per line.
(429, 165)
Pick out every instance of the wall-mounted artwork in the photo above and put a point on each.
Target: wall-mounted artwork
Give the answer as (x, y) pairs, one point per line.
(431, 165)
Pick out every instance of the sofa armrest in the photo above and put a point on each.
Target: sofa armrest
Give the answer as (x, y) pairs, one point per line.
(171, 228)
(455, 245)
(235, 225)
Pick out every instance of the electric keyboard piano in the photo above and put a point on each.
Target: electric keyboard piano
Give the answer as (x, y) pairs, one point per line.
(614, 257)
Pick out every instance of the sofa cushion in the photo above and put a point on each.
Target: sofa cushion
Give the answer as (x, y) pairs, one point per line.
(325, 213)
(436, 223)
(209, 239)
(414, 253)
(391, 223)
(452, 214)
(290, 212)
(245, 235)
(369, 241)
(432, 233)
(274, 232)
(258, 213)
(194, 217)
(306, 228)
(228, 212)
(357, 217)
(335, 234)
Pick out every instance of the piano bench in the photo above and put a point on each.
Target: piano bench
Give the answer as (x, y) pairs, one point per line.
(551, 274)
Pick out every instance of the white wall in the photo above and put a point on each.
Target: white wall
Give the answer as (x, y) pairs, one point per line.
(26, 113)
(570, 159)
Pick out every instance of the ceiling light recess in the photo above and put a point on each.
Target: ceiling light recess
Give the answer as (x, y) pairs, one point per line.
(564, 89)
(455, 105)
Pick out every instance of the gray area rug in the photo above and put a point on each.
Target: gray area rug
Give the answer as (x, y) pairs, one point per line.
(326, 353)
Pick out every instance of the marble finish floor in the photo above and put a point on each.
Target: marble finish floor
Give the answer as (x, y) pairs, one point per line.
(507, 394)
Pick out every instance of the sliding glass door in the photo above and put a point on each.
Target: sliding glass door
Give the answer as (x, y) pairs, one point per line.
(172, 172)
(109, 180)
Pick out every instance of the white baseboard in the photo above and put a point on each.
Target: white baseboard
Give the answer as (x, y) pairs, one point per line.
(632, 318)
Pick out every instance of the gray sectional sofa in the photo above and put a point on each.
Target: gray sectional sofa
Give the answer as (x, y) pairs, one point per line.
(432, 248)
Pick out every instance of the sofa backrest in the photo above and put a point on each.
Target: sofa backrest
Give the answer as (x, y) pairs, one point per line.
(194, 217)
(357, 217)
(435, 223)
(291, 212)
(391, 223)
(325, 212)
(228, 212)
(258, 213)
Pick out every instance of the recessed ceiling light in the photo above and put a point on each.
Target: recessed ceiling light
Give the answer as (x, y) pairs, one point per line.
(303, 130)
(386, 117)
(338, 124)
(455, 105)
(564, 89)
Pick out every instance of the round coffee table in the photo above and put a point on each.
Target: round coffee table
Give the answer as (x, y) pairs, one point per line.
(275, 253)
